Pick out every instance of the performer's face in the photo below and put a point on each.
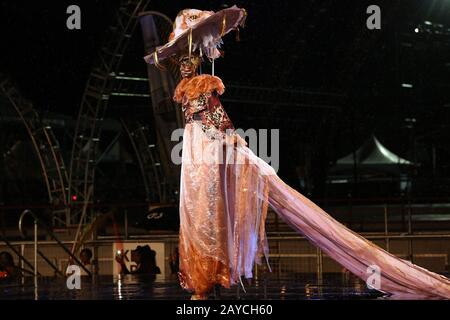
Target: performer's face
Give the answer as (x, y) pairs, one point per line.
(187, 67)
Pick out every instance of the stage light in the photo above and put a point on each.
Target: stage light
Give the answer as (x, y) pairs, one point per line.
(432, 28)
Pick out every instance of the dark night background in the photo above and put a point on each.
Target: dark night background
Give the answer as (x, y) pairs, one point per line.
(317, 46)
(308, 68)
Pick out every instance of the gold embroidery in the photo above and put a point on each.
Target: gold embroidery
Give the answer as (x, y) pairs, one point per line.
(215, 121)
(200, 103)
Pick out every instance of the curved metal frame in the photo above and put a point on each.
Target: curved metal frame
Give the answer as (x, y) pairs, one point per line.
(46, 147)
(94, 104)
(173, 68)
(147, 158)
(157, 13)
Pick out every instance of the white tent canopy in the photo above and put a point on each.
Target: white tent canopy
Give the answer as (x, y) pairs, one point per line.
(372, 154)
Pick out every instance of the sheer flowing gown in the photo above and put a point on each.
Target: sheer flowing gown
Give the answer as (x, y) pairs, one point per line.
(225, 193)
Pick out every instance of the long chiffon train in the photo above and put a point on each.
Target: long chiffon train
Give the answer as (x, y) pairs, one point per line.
(398, 277)
(225, 193)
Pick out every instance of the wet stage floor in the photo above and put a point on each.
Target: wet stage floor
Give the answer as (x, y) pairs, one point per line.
(306, 287)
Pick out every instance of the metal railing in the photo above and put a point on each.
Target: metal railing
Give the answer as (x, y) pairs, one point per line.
(21, 256)
(312, 260)
(38, 223)
(385, 235)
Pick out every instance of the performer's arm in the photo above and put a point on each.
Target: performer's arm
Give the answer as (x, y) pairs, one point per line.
(123, 267)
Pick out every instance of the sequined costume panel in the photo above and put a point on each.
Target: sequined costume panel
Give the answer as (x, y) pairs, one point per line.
(207, 108)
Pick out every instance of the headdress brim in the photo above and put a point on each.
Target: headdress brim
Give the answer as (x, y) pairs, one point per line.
(206, 35)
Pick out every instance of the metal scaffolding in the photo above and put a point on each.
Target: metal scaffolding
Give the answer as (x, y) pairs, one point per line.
(147, 156)
(47, 150)
(93, 107)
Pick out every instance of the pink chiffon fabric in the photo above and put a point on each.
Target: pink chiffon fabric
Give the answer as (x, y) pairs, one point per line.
(223, 206)
(224, 196)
